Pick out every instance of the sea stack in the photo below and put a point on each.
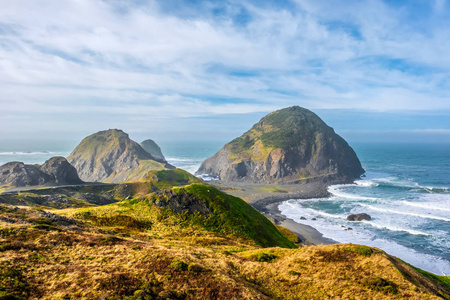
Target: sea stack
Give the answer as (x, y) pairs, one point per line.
(290, 145)
(111, 156)
(151, 147)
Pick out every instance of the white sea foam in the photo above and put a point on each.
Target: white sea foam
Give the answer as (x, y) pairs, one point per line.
(396, 228)
(366, 183)
(391, 211)
(335, 190)
(429, 205)
(332, 228)
(27, 153)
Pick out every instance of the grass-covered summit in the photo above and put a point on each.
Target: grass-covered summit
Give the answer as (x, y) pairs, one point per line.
(111, 156)
(286, 146)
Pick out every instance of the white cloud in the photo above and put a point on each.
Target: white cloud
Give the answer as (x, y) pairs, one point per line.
(78, 57)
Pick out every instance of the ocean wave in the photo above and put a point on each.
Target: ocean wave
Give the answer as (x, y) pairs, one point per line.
(361, 234)
(432, 206)
(412, 214)
(335, 191)
(366, 183)
(28, 153)
(395, 228)
(182, 159)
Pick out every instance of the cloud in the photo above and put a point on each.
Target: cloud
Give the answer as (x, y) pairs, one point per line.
(138, 61)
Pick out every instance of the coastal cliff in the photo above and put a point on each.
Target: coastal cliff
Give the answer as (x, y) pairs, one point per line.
(286, 146)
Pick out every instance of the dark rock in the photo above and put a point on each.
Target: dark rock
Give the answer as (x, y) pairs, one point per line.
(57, 219)
(18, 174)
(61, 171)
(287, 146)
(302, 218)
(55, 171)
(359, 217)
(180, 203)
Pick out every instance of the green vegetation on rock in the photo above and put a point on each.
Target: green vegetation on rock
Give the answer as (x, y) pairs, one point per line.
(286, 146)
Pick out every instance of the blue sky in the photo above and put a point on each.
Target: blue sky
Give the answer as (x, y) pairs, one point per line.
(374, 70)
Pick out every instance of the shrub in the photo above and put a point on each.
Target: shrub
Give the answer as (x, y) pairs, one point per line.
(263, 257)
(178, 265)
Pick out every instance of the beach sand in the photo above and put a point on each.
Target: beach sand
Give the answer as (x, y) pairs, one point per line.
(266, 198)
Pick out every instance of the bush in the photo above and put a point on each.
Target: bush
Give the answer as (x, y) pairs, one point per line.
(178, 265)
(263, 257)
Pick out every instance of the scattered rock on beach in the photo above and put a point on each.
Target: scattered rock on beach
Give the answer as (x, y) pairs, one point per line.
(359, 217)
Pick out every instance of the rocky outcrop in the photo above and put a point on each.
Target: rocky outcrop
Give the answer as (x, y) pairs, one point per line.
(18, 174)
(287, 146)
(359, 217)
(151, 147)
(55, 171)
(111, 156)
(61, 171)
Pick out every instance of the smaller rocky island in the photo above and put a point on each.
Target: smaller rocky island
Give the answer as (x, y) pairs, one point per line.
(55, 171)
(151, 147)
(111, 156)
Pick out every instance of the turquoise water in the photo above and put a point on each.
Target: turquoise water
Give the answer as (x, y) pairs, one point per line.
(406, 191)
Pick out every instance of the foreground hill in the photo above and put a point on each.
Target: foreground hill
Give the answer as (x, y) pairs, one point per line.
(140, 248)
(286, 146)
(111, 156)
(55, 171)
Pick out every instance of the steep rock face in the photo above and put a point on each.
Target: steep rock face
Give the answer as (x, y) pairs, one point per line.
(111, 156)
(18, 174)
(286, 146)
(151, 147)
(61, 171)
(55, 171)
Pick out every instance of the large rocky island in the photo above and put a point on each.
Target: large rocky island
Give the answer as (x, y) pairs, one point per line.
(291, 145)
(111, 156)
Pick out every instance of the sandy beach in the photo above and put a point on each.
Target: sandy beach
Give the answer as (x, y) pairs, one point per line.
(266, 198)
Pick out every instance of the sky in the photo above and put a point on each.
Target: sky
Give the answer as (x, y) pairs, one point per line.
(374, 70)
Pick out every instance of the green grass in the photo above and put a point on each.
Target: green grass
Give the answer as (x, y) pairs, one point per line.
(443, 280)
(169, 178)
(232, 215)
(358, 249)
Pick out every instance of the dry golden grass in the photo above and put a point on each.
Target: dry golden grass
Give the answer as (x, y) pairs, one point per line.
(87, 261)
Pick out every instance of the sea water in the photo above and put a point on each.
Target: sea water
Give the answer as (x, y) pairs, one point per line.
(406, 191)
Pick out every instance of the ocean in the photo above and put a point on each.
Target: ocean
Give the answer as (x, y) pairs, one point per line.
(406, 191)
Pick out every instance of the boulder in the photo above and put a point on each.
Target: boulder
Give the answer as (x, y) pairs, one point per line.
(359, 217)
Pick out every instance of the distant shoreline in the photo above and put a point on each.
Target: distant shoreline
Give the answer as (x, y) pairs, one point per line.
(266, 198)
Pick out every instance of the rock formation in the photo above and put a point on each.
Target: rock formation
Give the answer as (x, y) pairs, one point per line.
(151, 147)
(359, 217)
(111, 156)
(286, 146)
(61, 171)
(55, 171)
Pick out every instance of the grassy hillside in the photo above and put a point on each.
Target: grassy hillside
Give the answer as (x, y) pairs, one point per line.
(44, 256)
(187, 242)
